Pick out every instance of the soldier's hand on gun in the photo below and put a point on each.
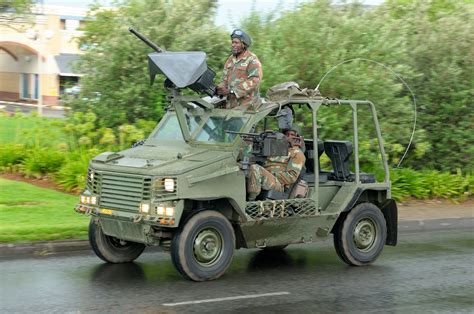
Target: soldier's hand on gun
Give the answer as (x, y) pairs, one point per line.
(222, 90)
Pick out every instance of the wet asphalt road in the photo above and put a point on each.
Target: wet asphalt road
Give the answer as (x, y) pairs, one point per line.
(431, 270)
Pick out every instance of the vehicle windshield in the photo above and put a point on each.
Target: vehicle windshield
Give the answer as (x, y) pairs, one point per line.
(202, 127)
(215, 129)
(169, 130)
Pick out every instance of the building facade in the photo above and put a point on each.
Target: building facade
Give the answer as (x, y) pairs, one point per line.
(37, 54)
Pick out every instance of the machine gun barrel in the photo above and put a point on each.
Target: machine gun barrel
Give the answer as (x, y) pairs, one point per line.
(245, 135)
(145, 40)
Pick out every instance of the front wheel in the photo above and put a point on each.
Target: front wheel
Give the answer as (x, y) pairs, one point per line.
(360, 237)
(203, 248)
(112, 249)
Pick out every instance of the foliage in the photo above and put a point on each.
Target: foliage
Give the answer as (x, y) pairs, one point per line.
(42, 161)
(62, 149)
(431, 184)
(83, 128)
(30, 213)
(342, 35)
(116, 84)
(439, 45)
(425, 42)
(12, 154)
(31, 131)
(16, 6)
(72, 175)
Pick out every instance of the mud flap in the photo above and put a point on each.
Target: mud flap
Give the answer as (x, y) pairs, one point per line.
(390, 212)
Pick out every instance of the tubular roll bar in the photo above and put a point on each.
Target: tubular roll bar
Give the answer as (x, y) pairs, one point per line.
(316, 105)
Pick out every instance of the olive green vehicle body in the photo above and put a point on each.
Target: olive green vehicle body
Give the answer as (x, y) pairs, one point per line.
(207, 176)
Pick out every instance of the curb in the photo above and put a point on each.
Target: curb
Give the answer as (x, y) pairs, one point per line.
(44, 248)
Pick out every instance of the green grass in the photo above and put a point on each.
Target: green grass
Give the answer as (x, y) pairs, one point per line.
(29, 213)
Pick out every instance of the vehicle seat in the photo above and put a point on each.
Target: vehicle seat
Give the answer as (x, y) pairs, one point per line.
(339, 152)
(309, 154)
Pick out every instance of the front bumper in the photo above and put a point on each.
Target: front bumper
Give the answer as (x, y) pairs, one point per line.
(134, 217)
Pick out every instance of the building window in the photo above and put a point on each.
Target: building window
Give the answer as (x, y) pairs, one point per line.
(25, 86)
(71, 25)
(35, 84)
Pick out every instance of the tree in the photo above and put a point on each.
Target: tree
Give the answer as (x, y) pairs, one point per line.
(305, 44)
(13, 11)
(115, 65)
(439, 40)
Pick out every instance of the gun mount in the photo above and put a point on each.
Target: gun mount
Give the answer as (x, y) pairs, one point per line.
(182, 69)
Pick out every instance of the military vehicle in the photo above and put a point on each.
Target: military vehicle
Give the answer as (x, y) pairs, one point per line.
(184, 188)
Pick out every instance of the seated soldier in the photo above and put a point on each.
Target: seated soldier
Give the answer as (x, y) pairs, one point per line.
(278, 172)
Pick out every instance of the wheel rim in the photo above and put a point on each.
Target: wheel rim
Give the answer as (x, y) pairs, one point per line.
(365, 234)
(208, 247)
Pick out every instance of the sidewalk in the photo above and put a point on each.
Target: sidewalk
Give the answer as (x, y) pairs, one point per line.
(419, 211)
(426, 210)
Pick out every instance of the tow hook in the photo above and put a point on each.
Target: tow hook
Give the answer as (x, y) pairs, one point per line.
(137, 218)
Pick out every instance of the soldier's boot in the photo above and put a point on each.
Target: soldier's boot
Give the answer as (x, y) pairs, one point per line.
(251, 196)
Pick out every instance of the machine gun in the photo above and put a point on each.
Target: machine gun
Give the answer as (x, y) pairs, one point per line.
(263, 145)
(181, 68)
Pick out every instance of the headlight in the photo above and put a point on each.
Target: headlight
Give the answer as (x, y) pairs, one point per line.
(145, 208)
(169, 185)
(160, 210)
(88, 199)
(163, 210)
(169, 211)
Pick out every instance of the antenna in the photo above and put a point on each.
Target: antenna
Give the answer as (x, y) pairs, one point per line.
(403, 82)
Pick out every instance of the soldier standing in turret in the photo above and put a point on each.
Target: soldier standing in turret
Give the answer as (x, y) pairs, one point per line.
(242, 74)
(277, 172)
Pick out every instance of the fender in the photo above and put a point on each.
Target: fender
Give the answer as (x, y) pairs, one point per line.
(390, 212)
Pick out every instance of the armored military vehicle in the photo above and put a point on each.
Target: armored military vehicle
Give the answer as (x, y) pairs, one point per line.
(184, 188)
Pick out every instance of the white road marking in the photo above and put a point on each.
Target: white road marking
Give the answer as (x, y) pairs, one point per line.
(445, 224)
(250, 296)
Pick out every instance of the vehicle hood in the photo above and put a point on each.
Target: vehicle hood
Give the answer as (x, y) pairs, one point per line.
(159, 160)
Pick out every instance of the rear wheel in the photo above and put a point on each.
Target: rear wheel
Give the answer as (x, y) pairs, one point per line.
(112, 249)
(203, 248)
(360, 237)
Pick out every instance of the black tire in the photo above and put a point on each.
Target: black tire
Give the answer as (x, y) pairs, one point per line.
(111, 249)
(203, 247)
(360, 237)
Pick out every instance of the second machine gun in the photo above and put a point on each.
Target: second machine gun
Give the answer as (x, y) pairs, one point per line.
(261, 146)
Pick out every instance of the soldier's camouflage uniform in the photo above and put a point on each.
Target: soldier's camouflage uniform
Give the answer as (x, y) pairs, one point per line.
(242, 76)
(277, 173)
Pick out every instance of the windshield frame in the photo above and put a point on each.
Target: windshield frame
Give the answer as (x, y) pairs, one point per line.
(189, 134)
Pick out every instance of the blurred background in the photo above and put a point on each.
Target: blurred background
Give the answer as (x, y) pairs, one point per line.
(78, 57)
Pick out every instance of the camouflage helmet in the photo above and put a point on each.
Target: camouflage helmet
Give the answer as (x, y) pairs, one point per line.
(294, 127)
(242, 36)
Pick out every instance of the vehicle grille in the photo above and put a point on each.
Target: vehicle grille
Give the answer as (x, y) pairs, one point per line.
(120, 190)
